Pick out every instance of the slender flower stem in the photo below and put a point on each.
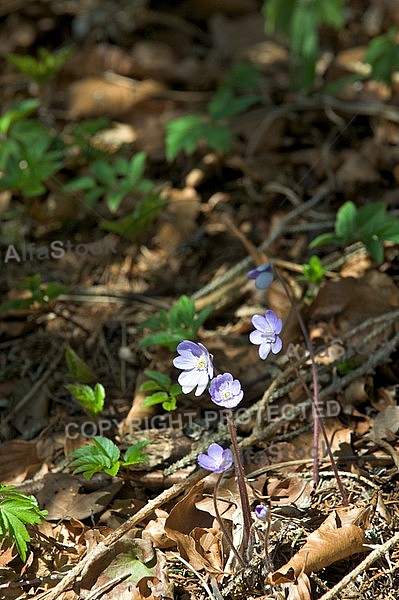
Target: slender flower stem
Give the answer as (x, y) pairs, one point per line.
(318, 423)
(242, 487)
(222, 525)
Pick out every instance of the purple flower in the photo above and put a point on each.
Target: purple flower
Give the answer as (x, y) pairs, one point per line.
(226, 391)
(196, 363)
(217, 460)
(263, 276)
(261, 512)
(266, 334)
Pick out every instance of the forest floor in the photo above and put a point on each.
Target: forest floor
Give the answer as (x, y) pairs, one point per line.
(291, 161)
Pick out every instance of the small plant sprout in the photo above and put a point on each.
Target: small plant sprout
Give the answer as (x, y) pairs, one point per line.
(18, 510)
(172, 327)
(262, 275)
(165, 392)
(370, 225)
(103, 456)
(40, 294)
(92, 400)
(196, 363)
(313, 271)
(266, 333)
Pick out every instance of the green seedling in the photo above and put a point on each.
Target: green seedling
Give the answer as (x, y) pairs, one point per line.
(16, 511)
(77, 368)
(104, 456)
(383, 56)
(91, 400)
(313, 271)
(43, 68)
(135, 225)
(81, 136)
(300, 20)
(114, 182)
(180, 323)
(164, 391)
(39, 294)
(185, 133)
(370, 225)
(29, 153)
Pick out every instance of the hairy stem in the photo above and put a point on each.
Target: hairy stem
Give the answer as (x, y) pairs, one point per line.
(242, 487)
(222, 525)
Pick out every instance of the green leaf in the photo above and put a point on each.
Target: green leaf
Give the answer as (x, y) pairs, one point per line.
(16, 511)
(183, 133)
(150, 386)
(346, 221)
(170, 404)
(136, 166)
(102, 456)
(91, 400)
(171, 340)
(225, 104)
(218, 137)
(163, 380)
(80, 183)
(77, 368)
(324, 238)
(203, 315)
(375, 248)
(133, 454)
(383, 56)
(16, 112)
(135, 225)
(157, 398)
(104, 173)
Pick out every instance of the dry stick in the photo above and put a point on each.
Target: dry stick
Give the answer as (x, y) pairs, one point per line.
(365, 564)
(104, 547)
(318, 424)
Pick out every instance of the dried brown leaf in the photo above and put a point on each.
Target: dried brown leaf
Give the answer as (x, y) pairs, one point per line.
(340, 536)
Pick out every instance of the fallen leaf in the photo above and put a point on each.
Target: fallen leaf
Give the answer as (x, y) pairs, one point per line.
(340, 536)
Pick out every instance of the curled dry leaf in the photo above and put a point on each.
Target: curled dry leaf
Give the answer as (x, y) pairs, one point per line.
(198, 541)
(340, 536)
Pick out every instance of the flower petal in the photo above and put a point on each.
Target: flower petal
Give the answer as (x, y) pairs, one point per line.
(259, 323)
(264, 350)
(256, 337)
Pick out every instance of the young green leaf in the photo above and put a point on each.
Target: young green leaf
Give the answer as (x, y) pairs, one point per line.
(77, 368)
(163, 380)
(346, 221)
(133, 454)
(91, 400)
(102, 456)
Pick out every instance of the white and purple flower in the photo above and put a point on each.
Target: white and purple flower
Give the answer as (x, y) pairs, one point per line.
(197, 366)
(217, 459)
(266, 333)
(226, 391)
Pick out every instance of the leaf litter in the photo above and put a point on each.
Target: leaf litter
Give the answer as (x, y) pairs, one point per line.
(280, 157)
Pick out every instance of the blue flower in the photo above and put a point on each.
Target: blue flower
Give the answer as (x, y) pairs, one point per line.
(196, 363)
(266, 333)
(217, 460)
(263, 276)
(226, 391)
(261, 512)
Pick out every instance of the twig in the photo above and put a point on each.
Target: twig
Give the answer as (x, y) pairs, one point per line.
(103, 547)
(191, 568)
(365, 564)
